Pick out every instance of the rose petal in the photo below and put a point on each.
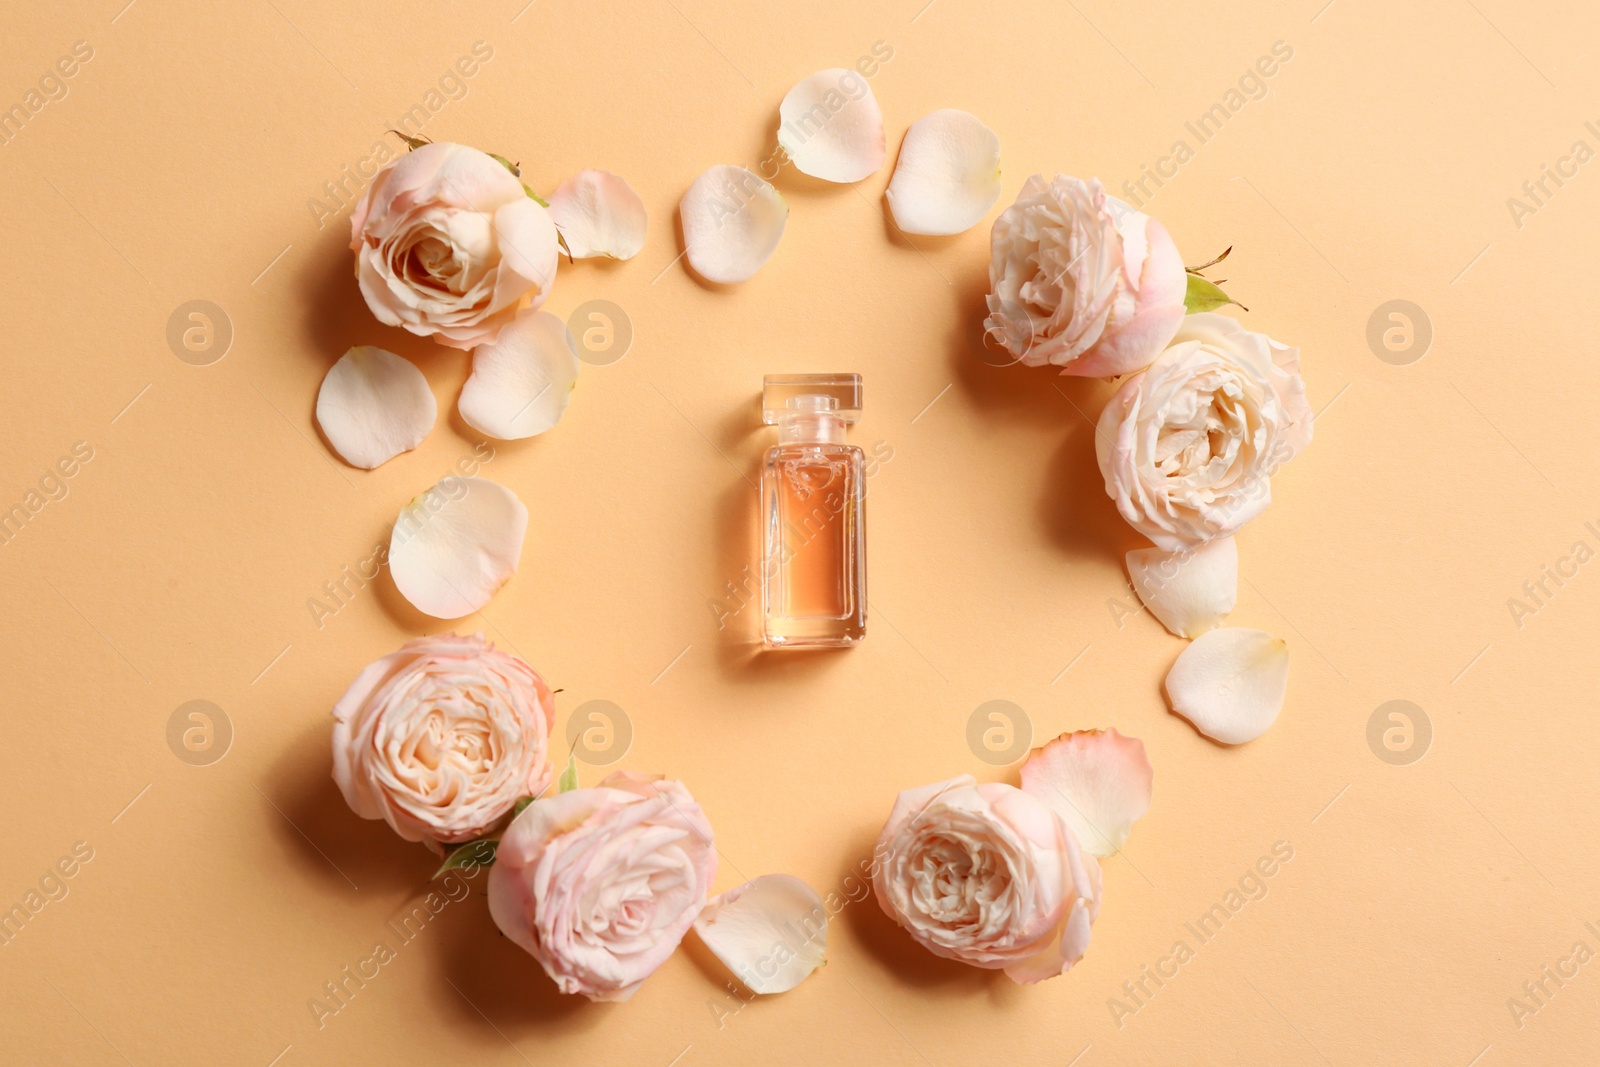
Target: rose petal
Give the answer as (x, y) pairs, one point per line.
(771, 932)
(948, 174)
(599, 214)
(373, 405)
(732, 221)
(1190, 591)
(1230, 683)
(520, 383)
(455, 544)
(1097, 780)
(831, 126)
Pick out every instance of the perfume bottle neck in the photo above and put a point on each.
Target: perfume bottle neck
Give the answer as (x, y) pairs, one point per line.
(811, 428)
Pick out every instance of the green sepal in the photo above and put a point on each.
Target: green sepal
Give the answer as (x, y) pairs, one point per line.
(1202, 295)
(478, 853)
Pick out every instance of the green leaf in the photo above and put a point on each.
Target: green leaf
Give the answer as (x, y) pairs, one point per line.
(472, 854)
(1205, 296)
(569, 777)
(412, 143)
(522, 803)
(506, 163)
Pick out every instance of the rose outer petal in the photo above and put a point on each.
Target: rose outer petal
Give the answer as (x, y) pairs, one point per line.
(1097, 780)
(948, 174)
(771, 932)
(453, 546)
(373, 405)
(1230, 683)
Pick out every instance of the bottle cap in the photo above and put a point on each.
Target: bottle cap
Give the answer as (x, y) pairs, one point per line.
(837, 394)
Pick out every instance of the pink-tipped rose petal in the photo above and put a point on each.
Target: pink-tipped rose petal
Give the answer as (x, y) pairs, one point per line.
(948, 174)
(373, 405)
(1189, 591)
(732, 221)
(831, 126)
(455, 544)
(772, 932)
(599, 214)
(1230, 683)
(1097, 780)
(520, 383)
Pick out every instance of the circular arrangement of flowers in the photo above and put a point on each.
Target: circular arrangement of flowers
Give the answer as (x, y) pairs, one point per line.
(449, 740)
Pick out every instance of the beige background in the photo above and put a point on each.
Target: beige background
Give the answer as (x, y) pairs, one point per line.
(220, 898)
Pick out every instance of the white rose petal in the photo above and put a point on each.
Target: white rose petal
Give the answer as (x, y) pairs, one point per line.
(948, 174)
(449, 245)
(753, 929)
(599, 214)
(373, 405)
(600, 885)
(1188, 446)
(831, 126)
(987, 874)
(440, 738)
(732, 221)
(520, 383)
(457, 543)
(1230, 683)
(1097, 780)
(1189, 591)
(1082, 281)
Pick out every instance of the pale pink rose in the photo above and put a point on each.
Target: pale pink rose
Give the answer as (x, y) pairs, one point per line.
(1081, 280)
(989, 875)
(599, 885)
(441, 738)
(1187, 448)
(448, 244)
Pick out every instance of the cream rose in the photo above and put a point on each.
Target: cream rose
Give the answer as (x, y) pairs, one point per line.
(989, 875)
(1187, 447)
(448, 244)
(1081, 280)
(440, 738)
(599, 885)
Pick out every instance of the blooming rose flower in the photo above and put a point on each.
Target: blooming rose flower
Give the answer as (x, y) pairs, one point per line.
(1081, 280)
(989, 875)
(1188, 446)
(440, 738)
(599, 885)
(448, 244)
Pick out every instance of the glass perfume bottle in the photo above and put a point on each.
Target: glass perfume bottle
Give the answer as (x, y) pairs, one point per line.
(813, 514)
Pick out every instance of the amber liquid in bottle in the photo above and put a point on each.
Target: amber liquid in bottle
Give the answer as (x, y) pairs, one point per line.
(813, 517)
